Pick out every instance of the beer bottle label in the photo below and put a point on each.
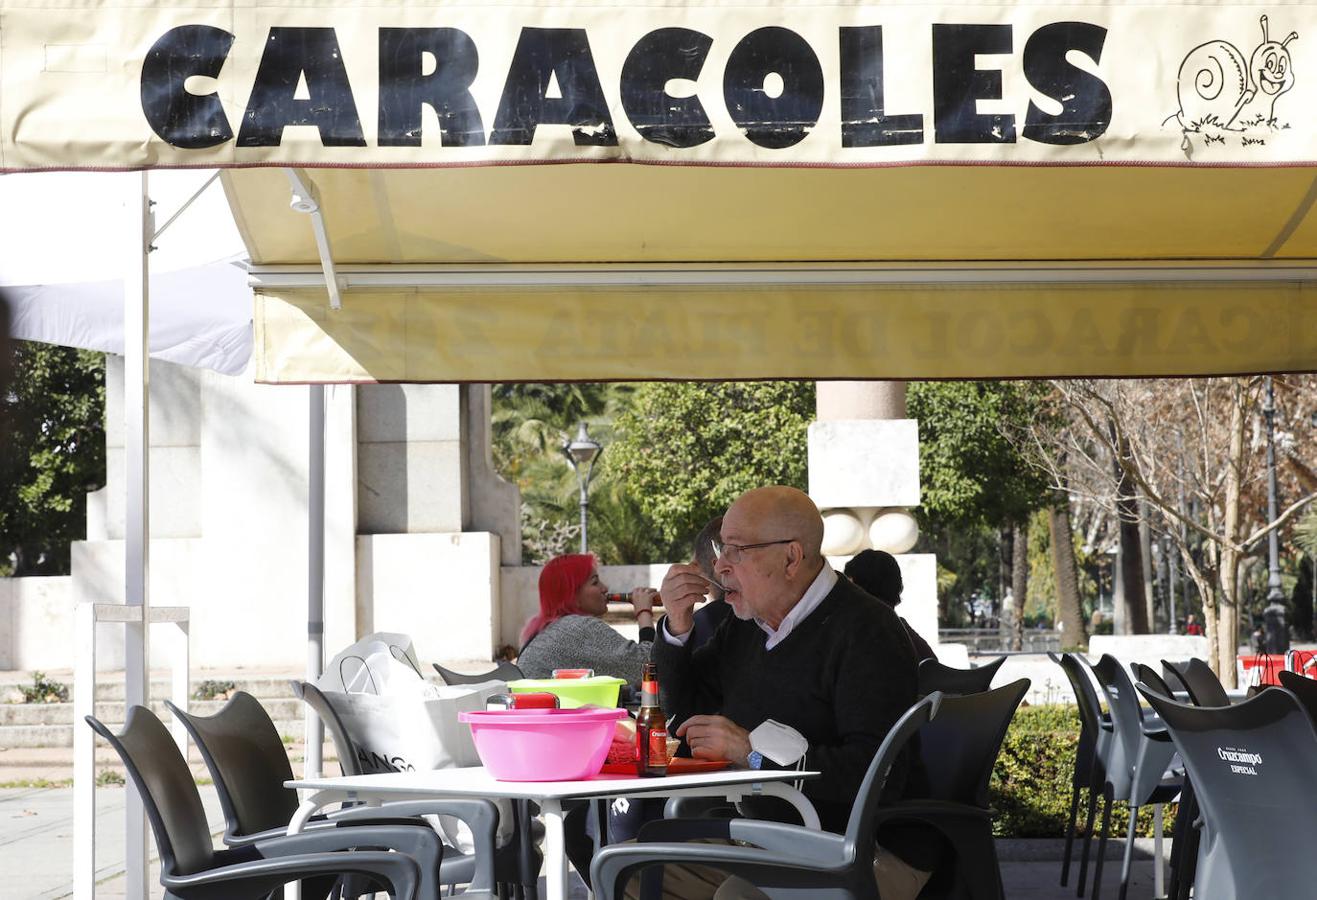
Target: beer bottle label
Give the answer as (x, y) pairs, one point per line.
(658, 746)
(649, 693)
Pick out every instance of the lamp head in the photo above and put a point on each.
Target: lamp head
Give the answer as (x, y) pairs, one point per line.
(583, 450)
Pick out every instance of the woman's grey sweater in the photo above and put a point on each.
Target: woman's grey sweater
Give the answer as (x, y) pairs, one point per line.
(583, 642)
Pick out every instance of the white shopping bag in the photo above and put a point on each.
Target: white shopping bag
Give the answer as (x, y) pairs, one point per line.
(398, 722)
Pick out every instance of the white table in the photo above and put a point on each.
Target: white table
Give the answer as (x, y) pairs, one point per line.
(731, 784)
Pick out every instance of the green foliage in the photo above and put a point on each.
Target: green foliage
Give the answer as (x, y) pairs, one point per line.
(1030, 790)
(211, 689)
(109, 778)
(687, 450)
(53, 454)
(45, 690)
(969, 468)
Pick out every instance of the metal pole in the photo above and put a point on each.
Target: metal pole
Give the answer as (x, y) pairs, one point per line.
(137, 524)
(315, 573)
(585, 508)
(1274, 593)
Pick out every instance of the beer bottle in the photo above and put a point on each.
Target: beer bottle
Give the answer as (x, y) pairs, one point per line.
(651, 728)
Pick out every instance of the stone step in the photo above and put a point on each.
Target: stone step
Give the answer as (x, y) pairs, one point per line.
(62, 713)
(27, 736)
(110, 686)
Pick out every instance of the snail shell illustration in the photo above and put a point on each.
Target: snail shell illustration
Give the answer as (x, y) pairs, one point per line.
(1217, 84)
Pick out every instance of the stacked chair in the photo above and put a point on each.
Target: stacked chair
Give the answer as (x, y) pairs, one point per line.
(1089, 772)
(1138, 771)
(934, 676)
(1253, 766)
(249, 765)
(192, 869)
(959, 738)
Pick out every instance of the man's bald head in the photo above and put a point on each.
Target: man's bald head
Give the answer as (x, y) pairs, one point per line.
(783, 512)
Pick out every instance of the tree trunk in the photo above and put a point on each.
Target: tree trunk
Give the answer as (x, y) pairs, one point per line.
(1131, 556)
(1019, 583)
(1227, 635)
(1005, 553)
(1145, 554)
(1067, 575)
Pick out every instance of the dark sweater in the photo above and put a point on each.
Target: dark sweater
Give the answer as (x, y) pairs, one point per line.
(842, 678)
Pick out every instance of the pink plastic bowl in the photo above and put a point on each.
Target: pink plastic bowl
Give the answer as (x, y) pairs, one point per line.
(542, 744)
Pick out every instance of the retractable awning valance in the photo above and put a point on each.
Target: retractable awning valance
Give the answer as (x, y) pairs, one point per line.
(833, 189)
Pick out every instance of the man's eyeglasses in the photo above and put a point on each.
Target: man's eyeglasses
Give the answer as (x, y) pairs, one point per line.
(732, 552)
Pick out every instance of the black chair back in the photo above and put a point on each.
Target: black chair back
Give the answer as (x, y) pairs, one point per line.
(169, 793)
(1148, 675)
(934, 676)
(960, 744)
(248, 763)
(1090, 713)
(1200, 681)
(504, 671)
(1305, 689)
(860, 828)
(312, 696)
(1251, 764)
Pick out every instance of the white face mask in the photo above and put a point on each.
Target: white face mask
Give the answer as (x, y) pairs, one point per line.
(780, 743)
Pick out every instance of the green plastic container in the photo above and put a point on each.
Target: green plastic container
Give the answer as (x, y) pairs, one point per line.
(598, 690)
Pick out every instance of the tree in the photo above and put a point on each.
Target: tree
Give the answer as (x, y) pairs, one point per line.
(1183, 444)
(52, 455)
(972, 473)
(686, 450)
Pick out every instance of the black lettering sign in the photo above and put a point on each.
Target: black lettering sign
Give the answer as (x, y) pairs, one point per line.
(864, 122)
(659, 57)
(290, 54)
(189, 121)
(785, 120)
(405, 91)
(562, 54)
(958, 85)
(1085, 99)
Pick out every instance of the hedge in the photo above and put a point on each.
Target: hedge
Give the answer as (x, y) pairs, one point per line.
(1030, 790)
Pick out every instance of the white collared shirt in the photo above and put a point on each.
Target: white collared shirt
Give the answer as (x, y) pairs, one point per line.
(819, 588)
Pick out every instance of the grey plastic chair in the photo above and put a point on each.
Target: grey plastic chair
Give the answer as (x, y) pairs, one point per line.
(1253, 765)
(786, 860)
(1138, 768)
(934, 676)
(504, 671)
(1184, 846)
(958, 746)
(1204, 688)
(1091, 754)
(249, 765)
(519, 865)
(190, 866)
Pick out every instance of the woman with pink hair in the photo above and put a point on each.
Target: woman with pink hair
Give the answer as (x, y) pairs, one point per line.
(569, 632)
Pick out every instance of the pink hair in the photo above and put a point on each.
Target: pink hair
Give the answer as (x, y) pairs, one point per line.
(560, 579)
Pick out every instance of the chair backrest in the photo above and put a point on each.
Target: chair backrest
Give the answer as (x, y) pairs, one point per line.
(169, 793)
(959, 746)
(1086, 698)
(1202, 684)
(311, 695)
(860, 827)
(1148, 675)
(1251, 765)
(934, 676)
(504, 671)
(1126, 713)
(248, 763)
(1305, 689)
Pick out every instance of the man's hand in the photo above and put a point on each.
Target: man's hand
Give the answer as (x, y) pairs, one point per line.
(716, 737)
(682, 588)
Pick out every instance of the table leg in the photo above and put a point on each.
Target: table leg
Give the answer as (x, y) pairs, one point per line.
(305, 810)
(1158, 867)
(808, 815)
(555, 848)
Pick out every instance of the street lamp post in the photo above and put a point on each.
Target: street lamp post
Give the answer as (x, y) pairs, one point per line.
(582, 453)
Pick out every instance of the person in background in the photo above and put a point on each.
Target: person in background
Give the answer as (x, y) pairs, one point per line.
(879, 574)
(569, 632)
(1191, 625)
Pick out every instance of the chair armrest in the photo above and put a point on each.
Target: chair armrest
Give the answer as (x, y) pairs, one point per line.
(421, 843)
(760, 867)
(398, 870)
(823, 847)
(481, 816)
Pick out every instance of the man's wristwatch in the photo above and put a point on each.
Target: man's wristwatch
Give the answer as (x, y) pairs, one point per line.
(755, 760)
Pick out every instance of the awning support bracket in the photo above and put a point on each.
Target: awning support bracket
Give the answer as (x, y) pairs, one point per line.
(306, 199)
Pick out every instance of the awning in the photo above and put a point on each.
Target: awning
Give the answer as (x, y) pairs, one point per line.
(836, 190)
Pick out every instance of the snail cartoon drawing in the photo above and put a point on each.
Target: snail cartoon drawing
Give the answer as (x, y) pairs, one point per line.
(1221, 89)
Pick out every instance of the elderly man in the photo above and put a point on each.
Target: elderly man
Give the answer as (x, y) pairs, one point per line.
(829, 665)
